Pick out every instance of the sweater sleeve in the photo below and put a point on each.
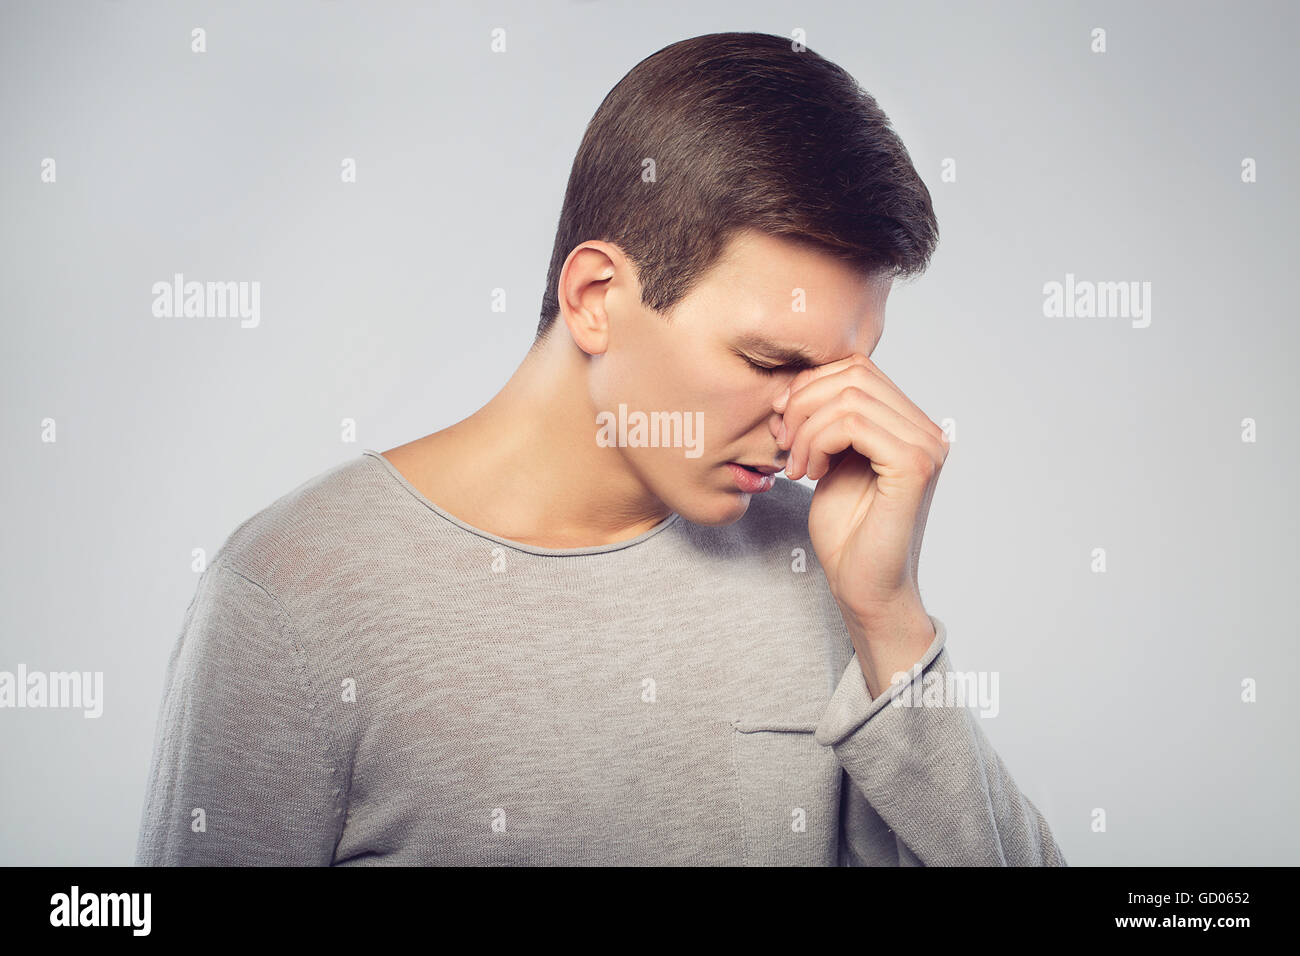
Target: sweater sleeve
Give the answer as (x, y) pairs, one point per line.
(930, 775)
(241, 770)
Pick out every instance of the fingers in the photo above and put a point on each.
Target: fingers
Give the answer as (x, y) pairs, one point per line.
(895, 444)
(820, 371)
(813, 389)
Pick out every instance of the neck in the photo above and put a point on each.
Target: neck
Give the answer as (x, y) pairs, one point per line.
(526, 466)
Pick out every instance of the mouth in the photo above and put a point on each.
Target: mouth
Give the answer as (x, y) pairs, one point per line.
(753, 479)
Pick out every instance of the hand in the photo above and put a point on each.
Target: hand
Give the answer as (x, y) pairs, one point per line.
(876, 458)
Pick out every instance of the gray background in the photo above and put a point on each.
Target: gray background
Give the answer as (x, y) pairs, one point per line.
(1119, 691)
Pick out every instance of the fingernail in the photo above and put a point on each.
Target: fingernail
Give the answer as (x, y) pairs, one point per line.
(784, 397)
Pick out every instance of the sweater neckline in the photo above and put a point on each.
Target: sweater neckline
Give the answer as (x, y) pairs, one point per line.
(419, 496)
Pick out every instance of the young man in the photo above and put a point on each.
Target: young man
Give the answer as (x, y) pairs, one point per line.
(588, 624)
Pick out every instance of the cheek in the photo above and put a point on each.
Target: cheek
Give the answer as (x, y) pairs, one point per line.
(741, 406)
(680, 382)
(717, 414)
(646, 374)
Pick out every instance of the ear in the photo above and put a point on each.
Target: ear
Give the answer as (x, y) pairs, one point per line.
(590, 272)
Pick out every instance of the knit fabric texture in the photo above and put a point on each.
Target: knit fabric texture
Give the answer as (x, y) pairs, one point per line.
(364, 679)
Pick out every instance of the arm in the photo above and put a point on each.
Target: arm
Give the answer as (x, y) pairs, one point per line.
(242, 771)
(930, 775)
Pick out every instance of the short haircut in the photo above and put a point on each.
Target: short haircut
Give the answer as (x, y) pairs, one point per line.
(745, 132)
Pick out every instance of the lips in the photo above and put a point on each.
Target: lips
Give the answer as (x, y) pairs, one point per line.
(761, 469)
(750, 480)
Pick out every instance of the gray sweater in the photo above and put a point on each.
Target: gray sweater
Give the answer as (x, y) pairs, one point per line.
(364, 679)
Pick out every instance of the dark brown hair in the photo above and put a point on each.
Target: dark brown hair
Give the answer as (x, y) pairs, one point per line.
(745, 133)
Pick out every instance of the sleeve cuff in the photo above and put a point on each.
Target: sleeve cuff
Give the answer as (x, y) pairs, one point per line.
(851, 704)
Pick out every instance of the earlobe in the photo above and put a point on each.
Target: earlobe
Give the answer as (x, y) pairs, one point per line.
(587, 328)
(589, 340)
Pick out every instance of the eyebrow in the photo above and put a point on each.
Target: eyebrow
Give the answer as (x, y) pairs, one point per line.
(790, 355)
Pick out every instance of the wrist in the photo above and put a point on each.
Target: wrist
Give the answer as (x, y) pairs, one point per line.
(889, 643)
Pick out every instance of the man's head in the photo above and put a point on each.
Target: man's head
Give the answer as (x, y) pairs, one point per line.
(729, 190)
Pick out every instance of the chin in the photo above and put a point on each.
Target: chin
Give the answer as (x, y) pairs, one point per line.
(710, 506)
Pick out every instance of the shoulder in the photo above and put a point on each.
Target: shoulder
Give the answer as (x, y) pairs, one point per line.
(286, 544)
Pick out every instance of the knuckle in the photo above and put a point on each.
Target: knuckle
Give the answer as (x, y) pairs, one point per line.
(854, 394)
(923, 463)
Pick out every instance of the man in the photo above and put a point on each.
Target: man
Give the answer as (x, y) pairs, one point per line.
(588, 624)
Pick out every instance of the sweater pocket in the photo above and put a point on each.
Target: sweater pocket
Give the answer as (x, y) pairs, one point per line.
(787, 790)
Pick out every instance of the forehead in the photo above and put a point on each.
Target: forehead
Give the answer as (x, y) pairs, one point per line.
(794, 301)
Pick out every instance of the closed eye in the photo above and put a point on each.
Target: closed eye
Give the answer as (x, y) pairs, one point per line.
(764, 369)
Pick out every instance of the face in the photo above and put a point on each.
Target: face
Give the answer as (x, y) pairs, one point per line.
(724, 356)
